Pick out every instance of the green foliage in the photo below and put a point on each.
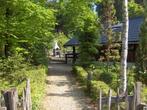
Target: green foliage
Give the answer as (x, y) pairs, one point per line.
(24, 24)
(88, 43)
(141, 76)
(96, 86)
(110, 50)
(61, 38)
(75, 15)
(9, 66)
(135, 9)
(110, 76)
(80, 73)
(80, 20)
(131, 78)
(37, 76)
(106, 77)
(144, 94)
(102, 79)
(142, 50)
(38, 54)
(118, 7)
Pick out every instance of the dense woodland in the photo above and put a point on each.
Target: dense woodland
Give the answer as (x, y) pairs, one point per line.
(28, 28)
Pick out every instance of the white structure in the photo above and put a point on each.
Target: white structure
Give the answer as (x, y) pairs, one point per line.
(55, 45)
(56, 49)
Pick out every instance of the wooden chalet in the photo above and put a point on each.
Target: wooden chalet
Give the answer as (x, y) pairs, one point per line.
(133, 38)
(73, 42)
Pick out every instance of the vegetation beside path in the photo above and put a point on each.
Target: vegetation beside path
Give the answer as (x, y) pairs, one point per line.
(63, 92)
(16, 77)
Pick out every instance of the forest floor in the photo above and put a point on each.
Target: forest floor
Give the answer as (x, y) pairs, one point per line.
(62, 92)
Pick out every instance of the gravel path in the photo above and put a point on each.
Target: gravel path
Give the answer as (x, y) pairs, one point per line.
(62, 92)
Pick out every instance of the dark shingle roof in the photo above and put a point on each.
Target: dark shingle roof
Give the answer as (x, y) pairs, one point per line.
(72, 42)
(134, 30)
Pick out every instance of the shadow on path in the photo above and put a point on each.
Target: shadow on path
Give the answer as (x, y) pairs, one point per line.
(62, 92)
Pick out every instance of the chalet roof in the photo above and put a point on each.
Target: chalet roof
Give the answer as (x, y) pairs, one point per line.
(134, 30)
(72, 42)
(133, 38)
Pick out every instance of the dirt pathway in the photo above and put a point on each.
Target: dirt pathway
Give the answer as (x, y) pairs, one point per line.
(62, 93)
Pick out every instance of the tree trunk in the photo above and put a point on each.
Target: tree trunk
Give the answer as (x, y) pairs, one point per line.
(123, 69)
(6, 49)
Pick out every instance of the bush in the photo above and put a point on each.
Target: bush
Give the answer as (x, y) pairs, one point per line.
(144, 94)
(11, 64)
(97, 73)
(37, 76)
(10, 69)
(96, 86)
(131, 79)
(107, 75)
(80, 73)
(38, 54)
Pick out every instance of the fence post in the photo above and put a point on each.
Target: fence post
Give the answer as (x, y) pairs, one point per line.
(100, 100)
(134, 99)
(3, 108)
(117, 100)
(109, 99)
(11, 99)
(126, 100)
(1, 104)
(28, 96)
(138, 93)
(24, 100)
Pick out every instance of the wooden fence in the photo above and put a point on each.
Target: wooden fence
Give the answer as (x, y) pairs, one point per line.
(10, 101)
(130, 102)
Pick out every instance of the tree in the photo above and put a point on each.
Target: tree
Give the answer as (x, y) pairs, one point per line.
(111, 48)
(124, 52)
(118, 8)
(142, 50)
(24, 25)
(80, 20)
(135, 9)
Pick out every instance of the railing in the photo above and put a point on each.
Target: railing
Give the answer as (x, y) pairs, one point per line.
(71, 55)
(132, 102)
(10, 101)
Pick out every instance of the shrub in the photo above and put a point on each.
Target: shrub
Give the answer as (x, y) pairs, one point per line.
(37, 76)
(11, 64)
(38, 54)
(96, 86)
(106, 77)
(97, 73)
(144, 94)
(10, 69)
(80, 73)
(131, 79)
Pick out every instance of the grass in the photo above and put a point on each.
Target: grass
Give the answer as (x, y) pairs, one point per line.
(37, 76)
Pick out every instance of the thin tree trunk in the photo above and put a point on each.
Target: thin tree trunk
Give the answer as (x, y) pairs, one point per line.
(123, 70)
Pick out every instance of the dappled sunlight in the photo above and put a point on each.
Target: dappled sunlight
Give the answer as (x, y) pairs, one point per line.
(62, 89)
